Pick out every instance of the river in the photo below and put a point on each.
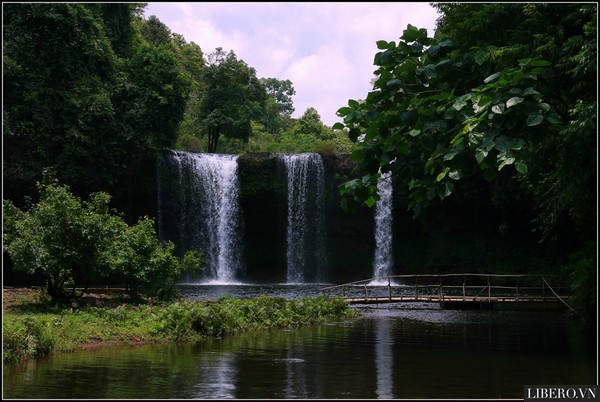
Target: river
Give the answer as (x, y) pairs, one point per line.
(410, 351)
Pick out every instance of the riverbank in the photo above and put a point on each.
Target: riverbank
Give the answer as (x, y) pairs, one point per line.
(32, 328)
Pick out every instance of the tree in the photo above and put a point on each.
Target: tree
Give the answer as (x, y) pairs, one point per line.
(86, 97)
(441, 110)
(76, 243)
(279, 103)
(155, 32)
(61, 236)
(232, 96)
(310, 124)
(282, 91)
(153, 97)
(510, 103)
(58, 66)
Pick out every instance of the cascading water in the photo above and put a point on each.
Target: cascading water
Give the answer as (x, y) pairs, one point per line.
(306, 217)
(201, 210)
(383, 261)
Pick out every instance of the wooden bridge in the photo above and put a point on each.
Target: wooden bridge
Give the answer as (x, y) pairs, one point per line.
(456, 290)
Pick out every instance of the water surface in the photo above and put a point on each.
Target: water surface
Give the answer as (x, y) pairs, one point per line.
(406, 351)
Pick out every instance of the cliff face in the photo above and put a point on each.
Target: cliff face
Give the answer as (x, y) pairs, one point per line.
(467, 233)
(472, 231)
(264, 202)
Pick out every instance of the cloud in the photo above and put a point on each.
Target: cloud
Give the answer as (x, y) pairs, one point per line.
(325, 49)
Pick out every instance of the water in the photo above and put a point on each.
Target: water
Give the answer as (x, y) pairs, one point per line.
(203, 200)
(405, 352)
(383, 261)
(306, 219)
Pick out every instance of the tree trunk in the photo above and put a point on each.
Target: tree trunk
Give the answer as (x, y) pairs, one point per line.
(213, 140)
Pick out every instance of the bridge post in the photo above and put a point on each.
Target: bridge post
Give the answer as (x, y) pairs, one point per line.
(389, 288)
(366, 293)
(517, 289)
(416, 288)
(464, 287)
(543, 290)
(489, 290)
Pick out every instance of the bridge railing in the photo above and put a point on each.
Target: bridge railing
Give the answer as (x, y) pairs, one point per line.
(441, 287)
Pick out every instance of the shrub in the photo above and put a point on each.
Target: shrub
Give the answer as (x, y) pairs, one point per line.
(74, 243)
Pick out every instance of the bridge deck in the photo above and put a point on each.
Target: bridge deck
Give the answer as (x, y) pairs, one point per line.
(449, 299)
(449, 289)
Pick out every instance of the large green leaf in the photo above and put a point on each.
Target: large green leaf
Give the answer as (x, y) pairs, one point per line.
(534, 119)
(491, 77)
(521, 167)
(514, 101)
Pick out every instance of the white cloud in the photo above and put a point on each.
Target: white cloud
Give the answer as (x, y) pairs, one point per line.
(325, 49)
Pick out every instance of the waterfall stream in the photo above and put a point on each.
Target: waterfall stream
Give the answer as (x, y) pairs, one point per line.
(204, 205)
(383, 261)
(306, 218)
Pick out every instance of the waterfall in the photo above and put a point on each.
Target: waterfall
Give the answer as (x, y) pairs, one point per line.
(201, 210)
(382, 265)
(306, 217)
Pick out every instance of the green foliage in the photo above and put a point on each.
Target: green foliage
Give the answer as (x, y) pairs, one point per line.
(232, 97)
(186, 319)
(26, 338)
(155, 32)
(469, 104)
(75, 243)
(38, 333)
(154, 96)
(279, 103)
(306, 134)
(85, 96)
(61, 236)
(581, 271)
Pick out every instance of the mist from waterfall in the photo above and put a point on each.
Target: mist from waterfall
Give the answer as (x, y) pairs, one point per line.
(306, 259)
(203, 203)
(383, 261)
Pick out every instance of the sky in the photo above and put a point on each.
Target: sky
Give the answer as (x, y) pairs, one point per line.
(326, 49)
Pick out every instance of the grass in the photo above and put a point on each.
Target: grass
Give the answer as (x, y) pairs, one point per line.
(34, 329)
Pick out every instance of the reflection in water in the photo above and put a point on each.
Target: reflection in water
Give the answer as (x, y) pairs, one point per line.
(389, 353)
(219, 376)
(296, 381)
(384, 359)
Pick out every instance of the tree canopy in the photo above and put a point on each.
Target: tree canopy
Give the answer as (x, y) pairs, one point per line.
(483, 100)
(84, 96)
(232, 97)
(75, 243)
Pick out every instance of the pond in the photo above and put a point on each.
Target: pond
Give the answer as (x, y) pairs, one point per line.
(392, 351)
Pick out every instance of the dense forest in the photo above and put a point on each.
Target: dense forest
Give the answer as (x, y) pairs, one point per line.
(93, 92)
(501, 101)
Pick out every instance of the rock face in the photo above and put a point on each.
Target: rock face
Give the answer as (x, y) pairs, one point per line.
(264, 202)
(345, 240)
(459, 236)
(474, 230)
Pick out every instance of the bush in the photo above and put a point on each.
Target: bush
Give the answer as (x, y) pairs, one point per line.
(75, 243)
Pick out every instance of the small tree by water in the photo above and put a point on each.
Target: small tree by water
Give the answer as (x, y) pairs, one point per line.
(76, 243)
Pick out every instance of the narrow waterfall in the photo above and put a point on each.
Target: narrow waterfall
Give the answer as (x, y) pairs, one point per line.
(383, 261)
(199, 209)
(306, 217)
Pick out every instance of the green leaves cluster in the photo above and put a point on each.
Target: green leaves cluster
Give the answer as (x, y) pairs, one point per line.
(426, 125)
(471, 104)
(75, 244)
(85, 95)
(185, 320)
